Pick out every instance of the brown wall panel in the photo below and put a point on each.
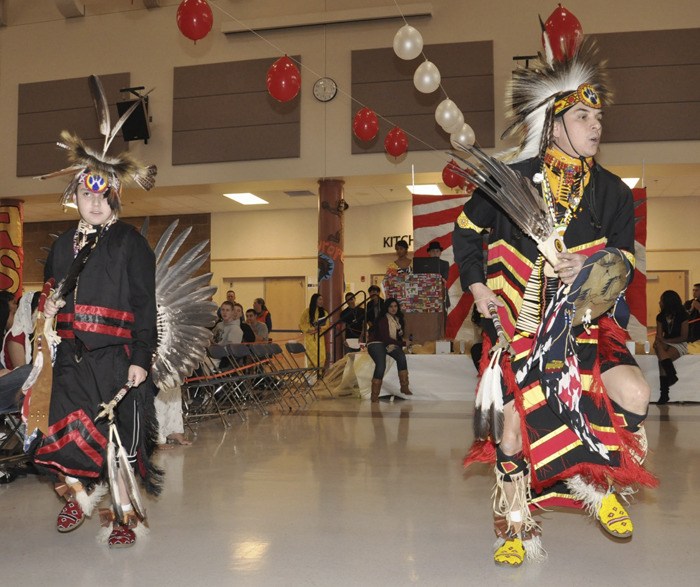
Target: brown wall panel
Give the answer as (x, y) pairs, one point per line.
(223, 112)
(47, 108)
(39, 158)
(655, 78)
(67, 94)
(402, 96)
(650, 48)
(652, 122)
(384, 83)
(229, 110)
(245, 143)
(649, 85)
(452, 59)
(230, 77)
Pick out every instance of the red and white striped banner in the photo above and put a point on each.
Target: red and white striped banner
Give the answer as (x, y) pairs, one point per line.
(637, 291)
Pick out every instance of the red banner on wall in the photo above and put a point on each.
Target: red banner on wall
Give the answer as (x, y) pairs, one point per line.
(637, 290)
(11, 245)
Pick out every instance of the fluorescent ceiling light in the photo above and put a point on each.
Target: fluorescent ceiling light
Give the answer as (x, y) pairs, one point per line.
(71, 205)
(425, 189)
(246, 199)
(630, 181)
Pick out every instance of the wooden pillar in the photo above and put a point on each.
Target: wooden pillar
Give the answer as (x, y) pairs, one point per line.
(331, 243)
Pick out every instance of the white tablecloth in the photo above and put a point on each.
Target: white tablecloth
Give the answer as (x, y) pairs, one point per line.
(453, 377)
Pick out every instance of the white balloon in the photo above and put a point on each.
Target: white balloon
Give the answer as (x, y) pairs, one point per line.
(458, 123)
(464, 136)
(448, 116)
(408, 43)
(427, 77)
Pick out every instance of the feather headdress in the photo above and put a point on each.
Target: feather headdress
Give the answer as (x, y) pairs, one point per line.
(98, 171)
(548, 88)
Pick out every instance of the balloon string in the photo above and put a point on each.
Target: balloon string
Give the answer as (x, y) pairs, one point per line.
(439, 153)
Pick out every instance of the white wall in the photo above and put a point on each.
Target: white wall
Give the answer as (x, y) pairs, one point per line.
(284, 243)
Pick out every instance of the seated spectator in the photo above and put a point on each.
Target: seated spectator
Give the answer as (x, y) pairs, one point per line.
(259, 329)
(374, 306)
(352, 317)
(386, 338)
(263, 313)
(693, 308)
(671, 339)
(231, 329)
(17, 347)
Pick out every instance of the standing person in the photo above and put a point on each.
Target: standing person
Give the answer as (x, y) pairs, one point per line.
(692, 306)
(230, 297)
(106, 320)
(435, 250)
(311, 323)
(108, 337)
(541, 458)
(402, 263)
(671, 339)
(263, 313)
(386, 338)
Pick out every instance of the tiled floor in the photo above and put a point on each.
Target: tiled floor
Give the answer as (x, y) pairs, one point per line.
(351, 494)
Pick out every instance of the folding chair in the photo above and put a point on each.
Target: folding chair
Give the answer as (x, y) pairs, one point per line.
(297, 384)
(202, 394)
(12, 454)
(271, 378)
(243, 361)
(296, 348)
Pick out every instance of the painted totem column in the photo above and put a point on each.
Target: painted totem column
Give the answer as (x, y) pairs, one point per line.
(11, 245)
(331, 243)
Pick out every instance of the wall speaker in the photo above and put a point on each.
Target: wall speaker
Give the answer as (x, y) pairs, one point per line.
(136, 126)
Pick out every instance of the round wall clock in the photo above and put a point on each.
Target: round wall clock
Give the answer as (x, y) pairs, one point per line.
(325, 89)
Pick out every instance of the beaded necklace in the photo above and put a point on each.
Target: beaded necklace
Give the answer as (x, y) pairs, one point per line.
(566, 175)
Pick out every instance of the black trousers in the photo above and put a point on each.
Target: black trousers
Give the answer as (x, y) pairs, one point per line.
(378, 352)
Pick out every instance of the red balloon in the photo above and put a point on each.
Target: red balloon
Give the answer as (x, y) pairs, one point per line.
(283, 80)
(565, 33)
(396, 142)
(451, 175)
(194, 19)
(365, 125)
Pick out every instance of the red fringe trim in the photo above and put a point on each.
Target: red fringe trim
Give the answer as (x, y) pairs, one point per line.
(610, 338)
(509, 377)
(485, 350)
(482, 451)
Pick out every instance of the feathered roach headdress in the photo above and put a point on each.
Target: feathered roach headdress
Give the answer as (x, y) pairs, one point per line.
(548, 88)
(99, 172)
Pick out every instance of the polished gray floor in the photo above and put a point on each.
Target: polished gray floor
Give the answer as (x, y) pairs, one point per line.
(346, 493)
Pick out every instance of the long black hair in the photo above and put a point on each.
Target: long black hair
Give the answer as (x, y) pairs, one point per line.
(399, 313)
(5, 298)
(314, 309)
(671, 304)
